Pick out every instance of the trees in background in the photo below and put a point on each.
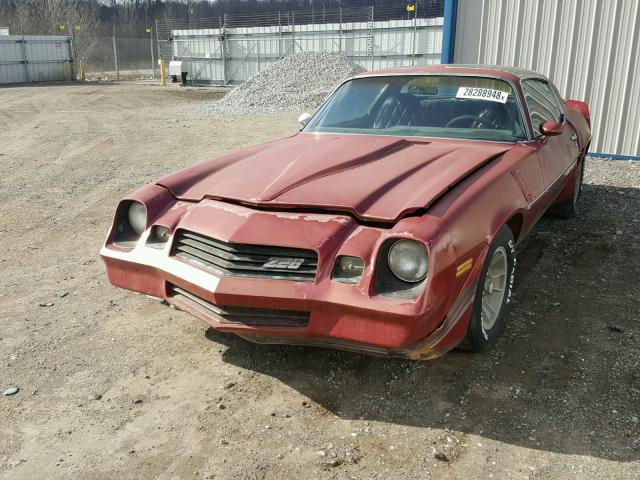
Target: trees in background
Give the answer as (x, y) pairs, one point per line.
(98, 16)
(54, 17)
(92, 23)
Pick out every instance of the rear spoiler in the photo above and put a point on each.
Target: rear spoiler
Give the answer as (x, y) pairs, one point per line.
(581, 107)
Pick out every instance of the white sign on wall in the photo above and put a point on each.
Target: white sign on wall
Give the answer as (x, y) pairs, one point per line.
(4, 31)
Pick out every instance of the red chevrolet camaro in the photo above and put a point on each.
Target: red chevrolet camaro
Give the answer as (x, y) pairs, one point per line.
(388, 225)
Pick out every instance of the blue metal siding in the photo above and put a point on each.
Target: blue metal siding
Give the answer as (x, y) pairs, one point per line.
(449, 31)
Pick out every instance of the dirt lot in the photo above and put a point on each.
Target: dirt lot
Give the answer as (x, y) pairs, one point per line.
(113, 385)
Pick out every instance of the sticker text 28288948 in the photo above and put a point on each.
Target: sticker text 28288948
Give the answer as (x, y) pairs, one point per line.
(482, 94)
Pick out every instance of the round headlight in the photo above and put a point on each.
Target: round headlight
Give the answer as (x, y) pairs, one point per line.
(408, 261)
(137, 217)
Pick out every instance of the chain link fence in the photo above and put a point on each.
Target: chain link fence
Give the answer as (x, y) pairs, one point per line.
(232, 48)
(245, 43)
(343, 18)
(121, 58)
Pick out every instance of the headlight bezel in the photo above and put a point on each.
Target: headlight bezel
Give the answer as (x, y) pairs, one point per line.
(124, 235)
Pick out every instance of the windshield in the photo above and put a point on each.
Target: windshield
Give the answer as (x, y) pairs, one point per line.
(475, 108)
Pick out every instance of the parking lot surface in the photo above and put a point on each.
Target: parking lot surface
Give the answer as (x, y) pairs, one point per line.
(114, 385)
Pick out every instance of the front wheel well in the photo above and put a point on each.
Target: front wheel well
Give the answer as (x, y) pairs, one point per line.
(515, 225)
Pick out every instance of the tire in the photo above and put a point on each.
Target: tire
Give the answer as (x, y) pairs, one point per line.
(568, 209)
(489, 314)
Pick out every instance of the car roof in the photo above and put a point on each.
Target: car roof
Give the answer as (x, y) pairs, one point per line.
(499, 71)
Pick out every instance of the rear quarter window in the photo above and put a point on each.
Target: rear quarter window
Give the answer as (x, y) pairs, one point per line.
(541, 102)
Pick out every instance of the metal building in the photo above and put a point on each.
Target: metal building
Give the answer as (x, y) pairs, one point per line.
(34, 58)
(588, 48)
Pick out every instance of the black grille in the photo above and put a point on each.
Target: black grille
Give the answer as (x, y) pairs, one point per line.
(241, 260)
(240, 315)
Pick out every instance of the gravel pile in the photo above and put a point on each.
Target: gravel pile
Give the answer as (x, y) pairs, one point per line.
(299, 82)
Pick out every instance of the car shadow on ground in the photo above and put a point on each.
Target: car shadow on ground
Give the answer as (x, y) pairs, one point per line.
(565, 376)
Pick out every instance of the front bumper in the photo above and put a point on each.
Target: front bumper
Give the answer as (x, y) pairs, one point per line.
(346, 316)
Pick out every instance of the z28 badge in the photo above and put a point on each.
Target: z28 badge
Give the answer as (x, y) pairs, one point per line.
(284, 263)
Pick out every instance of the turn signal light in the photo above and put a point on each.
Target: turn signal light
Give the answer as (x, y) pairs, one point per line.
(348, 269)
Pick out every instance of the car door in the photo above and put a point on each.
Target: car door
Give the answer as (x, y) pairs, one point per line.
(556, 153)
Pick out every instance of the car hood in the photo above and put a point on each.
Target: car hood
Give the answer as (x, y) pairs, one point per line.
(377, 178)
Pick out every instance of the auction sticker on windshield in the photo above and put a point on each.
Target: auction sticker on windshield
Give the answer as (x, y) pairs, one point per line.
(482, 94)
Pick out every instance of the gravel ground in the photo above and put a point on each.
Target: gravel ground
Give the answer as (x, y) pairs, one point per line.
(299, 83)
(113, 385)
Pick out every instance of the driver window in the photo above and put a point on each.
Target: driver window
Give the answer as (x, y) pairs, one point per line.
(540, 102)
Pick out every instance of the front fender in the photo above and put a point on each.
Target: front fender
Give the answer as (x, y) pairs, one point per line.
(471, 214)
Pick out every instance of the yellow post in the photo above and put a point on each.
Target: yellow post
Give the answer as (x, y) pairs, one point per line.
(82, 76)
(163, 73)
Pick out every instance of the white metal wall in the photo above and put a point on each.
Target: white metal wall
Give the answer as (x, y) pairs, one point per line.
(588, 48)
(34, 58)
(374, 45)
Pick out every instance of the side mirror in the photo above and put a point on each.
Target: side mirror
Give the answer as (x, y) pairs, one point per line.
(551, 129)
(304, 118)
